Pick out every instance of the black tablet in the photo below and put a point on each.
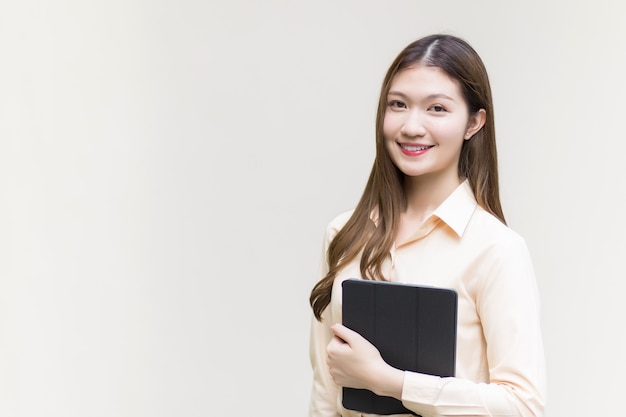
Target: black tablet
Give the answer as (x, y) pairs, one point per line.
(413, 327)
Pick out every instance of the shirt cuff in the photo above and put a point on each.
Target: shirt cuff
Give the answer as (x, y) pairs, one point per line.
(421, 388)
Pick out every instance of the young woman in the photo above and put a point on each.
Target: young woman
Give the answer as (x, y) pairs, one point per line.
(430, 214)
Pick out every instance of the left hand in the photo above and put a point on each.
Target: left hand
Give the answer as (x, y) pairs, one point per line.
(352, 360)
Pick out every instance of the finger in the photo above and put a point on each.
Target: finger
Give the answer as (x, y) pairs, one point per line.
(337, 346)
(344, 333)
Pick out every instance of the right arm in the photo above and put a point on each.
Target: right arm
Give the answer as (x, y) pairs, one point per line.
(324, 392)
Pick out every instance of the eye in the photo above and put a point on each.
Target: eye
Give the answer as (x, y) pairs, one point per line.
(396, 104)
(438, 108)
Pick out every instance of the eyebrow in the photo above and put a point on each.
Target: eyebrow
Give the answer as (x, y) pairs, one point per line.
(429, 97)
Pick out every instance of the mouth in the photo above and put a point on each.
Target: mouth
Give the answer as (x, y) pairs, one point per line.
(415, 148)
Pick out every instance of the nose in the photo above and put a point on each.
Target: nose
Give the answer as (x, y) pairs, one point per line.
(413, 124)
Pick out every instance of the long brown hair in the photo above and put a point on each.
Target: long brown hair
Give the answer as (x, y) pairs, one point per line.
(384, 193)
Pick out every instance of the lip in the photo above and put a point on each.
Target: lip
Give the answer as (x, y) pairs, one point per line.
(414, 149)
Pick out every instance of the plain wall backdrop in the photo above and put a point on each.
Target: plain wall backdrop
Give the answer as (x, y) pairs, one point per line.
(167, 170)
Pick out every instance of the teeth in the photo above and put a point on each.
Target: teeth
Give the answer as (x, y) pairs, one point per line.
(415, 148)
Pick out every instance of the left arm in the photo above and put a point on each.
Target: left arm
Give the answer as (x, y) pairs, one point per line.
(508, 304)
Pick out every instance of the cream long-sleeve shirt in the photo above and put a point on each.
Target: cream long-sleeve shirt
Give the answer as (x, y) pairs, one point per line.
(500, 368)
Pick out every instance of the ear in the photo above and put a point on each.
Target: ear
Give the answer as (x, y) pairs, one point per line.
(475, 123)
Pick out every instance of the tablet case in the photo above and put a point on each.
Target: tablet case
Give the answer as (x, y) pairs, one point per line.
(413, 327)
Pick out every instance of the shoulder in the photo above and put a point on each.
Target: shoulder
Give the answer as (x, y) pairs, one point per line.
(503, 263)
(501, 254)
(337, 223)
(488, 229)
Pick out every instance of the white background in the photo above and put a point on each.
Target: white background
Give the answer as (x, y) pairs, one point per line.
(167, 169)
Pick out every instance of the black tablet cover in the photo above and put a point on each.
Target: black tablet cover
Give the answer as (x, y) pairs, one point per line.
(413, 327)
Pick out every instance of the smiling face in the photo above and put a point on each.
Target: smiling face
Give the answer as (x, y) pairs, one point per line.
(426, 122)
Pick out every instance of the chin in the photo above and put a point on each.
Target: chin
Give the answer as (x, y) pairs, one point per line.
(413, 172)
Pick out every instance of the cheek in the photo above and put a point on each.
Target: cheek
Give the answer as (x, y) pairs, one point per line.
(390, 126)
(449, 131)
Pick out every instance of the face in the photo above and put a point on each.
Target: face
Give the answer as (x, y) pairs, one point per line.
(426, 122)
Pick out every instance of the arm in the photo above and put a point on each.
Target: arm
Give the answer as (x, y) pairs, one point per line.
(324, 392)
(354, 362)
(507, 301)
(508, 304)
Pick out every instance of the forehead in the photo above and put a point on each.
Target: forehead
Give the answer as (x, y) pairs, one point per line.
(425, 80)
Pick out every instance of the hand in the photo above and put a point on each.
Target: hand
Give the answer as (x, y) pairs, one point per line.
(352, 360)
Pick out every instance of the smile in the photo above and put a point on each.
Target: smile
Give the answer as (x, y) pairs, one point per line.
(415, 148)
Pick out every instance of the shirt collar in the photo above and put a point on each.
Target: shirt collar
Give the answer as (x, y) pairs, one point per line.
(456, 210)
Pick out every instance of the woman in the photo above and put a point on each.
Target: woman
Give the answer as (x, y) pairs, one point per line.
(430, 214)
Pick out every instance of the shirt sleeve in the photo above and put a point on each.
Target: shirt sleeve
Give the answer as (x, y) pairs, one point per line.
(324, 392)
(507, 301)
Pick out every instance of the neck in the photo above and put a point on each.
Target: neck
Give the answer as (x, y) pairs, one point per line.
(425, 193)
